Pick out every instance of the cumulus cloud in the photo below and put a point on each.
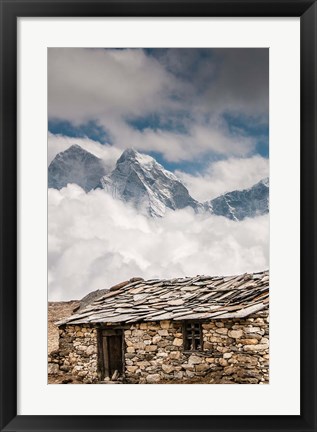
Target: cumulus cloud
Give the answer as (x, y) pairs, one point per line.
(176, 147)
(229, 79)
(95, 241)
(187, 91)
(225, 176)
(59, 143)
(242, 82)
(84, 84)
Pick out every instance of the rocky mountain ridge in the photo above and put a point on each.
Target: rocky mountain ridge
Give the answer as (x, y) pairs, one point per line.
(140, 180)
(75, 165)
(239, 204)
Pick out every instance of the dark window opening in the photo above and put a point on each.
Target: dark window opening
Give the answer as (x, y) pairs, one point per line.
(192, 336)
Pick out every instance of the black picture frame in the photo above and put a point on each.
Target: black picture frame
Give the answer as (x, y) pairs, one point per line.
(10, 11)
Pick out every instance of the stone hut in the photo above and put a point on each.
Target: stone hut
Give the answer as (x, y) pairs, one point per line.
(193, 329)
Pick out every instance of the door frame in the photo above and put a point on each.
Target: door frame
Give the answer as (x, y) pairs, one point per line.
(110, 331)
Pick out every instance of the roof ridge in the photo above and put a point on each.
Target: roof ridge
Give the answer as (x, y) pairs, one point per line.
(139, 299)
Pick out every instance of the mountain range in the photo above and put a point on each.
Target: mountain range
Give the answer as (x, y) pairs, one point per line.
(141, 181)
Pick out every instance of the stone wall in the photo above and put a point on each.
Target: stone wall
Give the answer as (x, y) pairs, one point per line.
(234, 351)
(77, 354)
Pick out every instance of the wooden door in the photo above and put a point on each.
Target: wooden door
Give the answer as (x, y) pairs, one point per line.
(115, 354)
(111, 353)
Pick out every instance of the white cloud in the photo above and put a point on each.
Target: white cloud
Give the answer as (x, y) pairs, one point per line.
(58, 143)
(242, 83)
(86, 84)
(95, 242)
(112, 87)
(223, 80)
(224, 176)
(176, 147)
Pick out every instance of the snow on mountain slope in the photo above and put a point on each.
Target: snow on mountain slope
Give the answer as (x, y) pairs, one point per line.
(75, 165)
(141, 181)
(237, 205)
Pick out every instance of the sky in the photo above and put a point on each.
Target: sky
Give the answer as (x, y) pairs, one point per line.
(202, 113)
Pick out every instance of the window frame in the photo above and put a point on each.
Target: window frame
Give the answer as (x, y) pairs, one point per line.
(185, 336)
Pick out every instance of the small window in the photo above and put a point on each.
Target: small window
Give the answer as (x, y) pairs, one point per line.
(192, 336)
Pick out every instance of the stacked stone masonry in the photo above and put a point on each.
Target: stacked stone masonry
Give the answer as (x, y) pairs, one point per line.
(234, 351)
(77, 353)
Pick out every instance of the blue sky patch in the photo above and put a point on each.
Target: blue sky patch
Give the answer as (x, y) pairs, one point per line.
(180, 92)
(89, 130)
(175, 123)
(250, 127)
(191, 167)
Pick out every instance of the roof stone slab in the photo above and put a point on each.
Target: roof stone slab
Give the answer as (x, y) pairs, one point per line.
(199, 298)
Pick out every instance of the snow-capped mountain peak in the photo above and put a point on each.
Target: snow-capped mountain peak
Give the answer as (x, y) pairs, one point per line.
(265, 181)
(240, 204)
(133, 157)
(142, 181)
(75, 165)
(147, 162)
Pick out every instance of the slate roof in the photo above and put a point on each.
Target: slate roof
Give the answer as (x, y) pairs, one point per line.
(200, 297)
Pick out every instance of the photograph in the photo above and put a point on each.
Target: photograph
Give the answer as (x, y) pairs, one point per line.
(161, 230)
(158, 215)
